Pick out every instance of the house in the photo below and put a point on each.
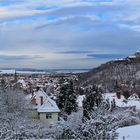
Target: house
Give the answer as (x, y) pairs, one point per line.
(41, 106)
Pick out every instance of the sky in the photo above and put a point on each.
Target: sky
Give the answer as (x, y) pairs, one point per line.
(67, 34)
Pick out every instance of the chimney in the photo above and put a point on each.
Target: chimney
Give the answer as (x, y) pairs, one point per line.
(33, 101)
(41, 100)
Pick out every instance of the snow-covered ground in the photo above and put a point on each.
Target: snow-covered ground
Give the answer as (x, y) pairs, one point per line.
(80, 100)
(138, 74)
(129, 133)
(121, 103)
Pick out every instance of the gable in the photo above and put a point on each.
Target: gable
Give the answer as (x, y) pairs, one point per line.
(48, 106)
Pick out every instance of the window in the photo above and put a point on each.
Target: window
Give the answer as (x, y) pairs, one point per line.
(48, 115)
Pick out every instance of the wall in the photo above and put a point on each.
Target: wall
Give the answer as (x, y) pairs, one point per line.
(47, 122)
(32, 113)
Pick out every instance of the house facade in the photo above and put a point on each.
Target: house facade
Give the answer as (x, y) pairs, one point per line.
(41, 106)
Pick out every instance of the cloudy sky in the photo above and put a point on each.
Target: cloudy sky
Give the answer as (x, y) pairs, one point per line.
(67, 33)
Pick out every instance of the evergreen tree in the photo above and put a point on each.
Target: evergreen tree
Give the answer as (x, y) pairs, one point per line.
(92, 100)
(112, 107)
(114, 103)
(118, 94)
(107, 104)
(71, 99)
(15, 76)
(116, 87)
(67, 98)
(3, 85)
(126, 94)
(61, 97)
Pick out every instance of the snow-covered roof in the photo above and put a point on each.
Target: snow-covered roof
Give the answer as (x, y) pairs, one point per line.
(21, 81)
(28, 97)
(132, 56)
(41, 93)
(48, 106)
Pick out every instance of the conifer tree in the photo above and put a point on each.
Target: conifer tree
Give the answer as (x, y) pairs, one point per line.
(107, 104)
(67, 98)
(61, 97)
(71, 100)
(92, 100)
(126, 94)
(3, 85)
(114, 103)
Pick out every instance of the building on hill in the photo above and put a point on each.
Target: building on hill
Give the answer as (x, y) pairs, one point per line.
(41, 106)
(137, 54)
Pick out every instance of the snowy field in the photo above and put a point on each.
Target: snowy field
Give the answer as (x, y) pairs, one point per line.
(120, 102)
(129, 133)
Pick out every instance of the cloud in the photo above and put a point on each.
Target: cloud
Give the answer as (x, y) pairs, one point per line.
(107, 56)
(6, 14)
(71, 20)
(16, 9)
(76, 52)
(17, 57)
(67, 33)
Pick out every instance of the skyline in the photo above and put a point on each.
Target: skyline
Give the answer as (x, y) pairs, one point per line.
(67, 34)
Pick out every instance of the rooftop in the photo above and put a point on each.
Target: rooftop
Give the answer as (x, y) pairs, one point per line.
(48, 105)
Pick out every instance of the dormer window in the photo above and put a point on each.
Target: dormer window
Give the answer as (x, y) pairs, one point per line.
(48, 115)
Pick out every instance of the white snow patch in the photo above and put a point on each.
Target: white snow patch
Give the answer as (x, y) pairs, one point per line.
(132, 56)
(138, 74)
(80, 100)
(121, 103)
(22, 82)
(129, 133)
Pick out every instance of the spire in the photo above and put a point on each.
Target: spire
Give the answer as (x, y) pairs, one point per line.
(15, 76)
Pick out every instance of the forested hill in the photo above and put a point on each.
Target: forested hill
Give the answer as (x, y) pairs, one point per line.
(121, 71)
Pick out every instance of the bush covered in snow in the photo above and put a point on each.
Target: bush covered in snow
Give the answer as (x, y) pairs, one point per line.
(101, 125)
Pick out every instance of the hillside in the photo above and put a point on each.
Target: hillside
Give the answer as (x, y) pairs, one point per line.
(120, 71)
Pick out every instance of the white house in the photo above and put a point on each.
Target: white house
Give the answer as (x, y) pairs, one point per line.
(41, 106)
